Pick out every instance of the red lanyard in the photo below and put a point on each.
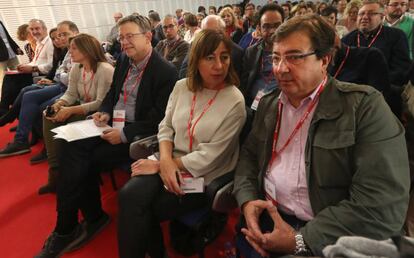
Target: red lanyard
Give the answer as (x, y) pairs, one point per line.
(38, 51)
(372, 41)
(190, 127)
(139, 77)
(275, 153)
(342, 63)
(87, 96)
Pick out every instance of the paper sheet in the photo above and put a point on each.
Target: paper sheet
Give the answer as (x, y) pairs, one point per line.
(79, 130)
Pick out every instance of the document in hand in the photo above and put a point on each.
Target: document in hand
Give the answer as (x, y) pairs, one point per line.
(79, 130)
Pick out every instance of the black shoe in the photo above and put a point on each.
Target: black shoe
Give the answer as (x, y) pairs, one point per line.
(48, 188)
(56, 244)
(13, 129)
(93, 229)
(9, 117)
(39, 158)
(14, 148)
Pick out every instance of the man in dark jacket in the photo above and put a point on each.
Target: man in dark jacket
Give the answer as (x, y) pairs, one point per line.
(135, 105)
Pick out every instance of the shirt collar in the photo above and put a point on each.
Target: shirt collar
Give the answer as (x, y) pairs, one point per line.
(394, 23)
(141, 64)
(372, 33)
(44, 40)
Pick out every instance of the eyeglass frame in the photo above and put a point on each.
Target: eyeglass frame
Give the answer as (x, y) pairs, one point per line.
(128, 36)
(297, 57)
(270, 26)
(369, 14)
(170, 26)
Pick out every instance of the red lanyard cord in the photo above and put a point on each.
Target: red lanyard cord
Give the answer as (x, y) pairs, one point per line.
(275, 153)
(190, 127)
(86, 92)
(372, 41)
(139, 77)
(341, 66)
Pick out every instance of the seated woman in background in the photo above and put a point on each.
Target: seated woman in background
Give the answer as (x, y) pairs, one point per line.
(23, 34)
(198, 135)
(89, 81)
(232, 27)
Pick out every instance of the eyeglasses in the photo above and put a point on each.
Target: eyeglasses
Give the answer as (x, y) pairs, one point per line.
(293, 59)
(369, 14)
(249, 9)
(63, 34)
(128, 37)
(269, 26)
(166, 27)
(397, 4)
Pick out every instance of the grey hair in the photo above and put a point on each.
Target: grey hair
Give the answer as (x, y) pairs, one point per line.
(170, 16)
(39, 21)
(143, 22)
(215, 17)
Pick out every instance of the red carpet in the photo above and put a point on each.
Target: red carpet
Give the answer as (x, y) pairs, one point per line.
(26, 218)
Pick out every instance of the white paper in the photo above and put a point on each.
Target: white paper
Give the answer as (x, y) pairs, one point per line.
(79, 130)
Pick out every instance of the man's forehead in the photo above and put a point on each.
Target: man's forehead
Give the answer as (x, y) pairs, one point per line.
(294, 43)
(63, 27)
(398, 1)
(168, 21)
(35, 24)
(369, 7)
(271, 16)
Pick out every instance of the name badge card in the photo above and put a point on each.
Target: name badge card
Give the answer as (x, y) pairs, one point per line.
(256, 100)
(118, 120)
(270, 190)
(191, 184)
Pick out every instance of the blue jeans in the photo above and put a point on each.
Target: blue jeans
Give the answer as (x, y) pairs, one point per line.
(33, 103)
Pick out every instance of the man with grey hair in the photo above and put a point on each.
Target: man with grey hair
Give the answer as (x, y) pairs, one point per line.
(134, 106)
(172, 48)
(40, 65)
(215, 22)
(156, 26)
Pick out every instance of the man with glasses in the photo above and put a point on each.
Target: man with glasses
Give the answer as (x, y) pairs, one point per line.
(248, 18)
(395, 10)
(390, 41)
(257, 77)
(324, 158)
(172, 48)
(134, 106)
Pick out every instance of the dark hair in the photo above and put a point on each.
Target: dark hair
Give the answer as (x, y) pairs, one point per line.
(72, 26)
(250, 4)
(154, 16)
(201, 9)
(329, 10)
(190, 19)
(22, 32)
(289, 6)
(143, 22)
(271, 7)
(52, 30)
(320, 33)
(213, 7)
(204, 44)
(90, 47)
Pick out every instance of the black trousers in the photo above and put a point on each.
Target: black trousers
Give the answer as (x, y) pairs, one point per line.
(80, 163)
(143, 203)
(12, 85)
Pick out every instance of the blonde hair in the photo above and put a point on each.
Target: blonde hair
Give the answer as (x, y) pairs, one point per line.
(228, 10)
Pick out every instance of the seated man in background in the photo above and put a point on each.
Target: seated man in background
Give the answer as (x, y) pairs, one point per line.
(329, 157)
(135, 104)
(40, 65)
(172, 48)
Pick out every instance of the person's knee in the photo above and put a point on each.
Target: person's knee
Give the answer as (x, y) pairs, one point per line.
(138, 191)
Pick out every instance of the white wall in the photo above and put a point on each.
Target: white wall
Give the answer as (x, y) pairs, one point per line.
(91, 16)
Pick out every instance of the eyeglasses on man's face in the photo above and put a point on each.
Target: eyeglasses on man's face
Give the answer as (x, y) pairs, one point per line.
(128, 37)
(397, 4)
(292, 59)
(169, 26)
(269, 26)
(369, 14)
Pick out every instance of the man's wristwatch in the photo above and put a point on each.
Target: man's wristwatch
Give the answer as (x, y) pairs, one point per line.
(35, 69)
(301, 248)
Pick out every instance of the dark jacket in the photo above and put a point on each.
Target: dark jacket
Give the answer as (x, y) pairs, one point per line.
(355, 159)
(176, 54)
(154, 90)
(58, 56)
(393, 44)
(251, 67)
(362, 66)
(4, 55)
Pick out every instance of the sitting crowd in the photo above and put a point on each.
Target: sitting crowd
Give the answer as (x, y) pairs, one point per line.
(324, 157)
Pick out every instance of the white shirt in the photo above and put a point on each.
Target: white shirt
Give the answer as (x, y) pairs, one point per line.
(43, 55)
